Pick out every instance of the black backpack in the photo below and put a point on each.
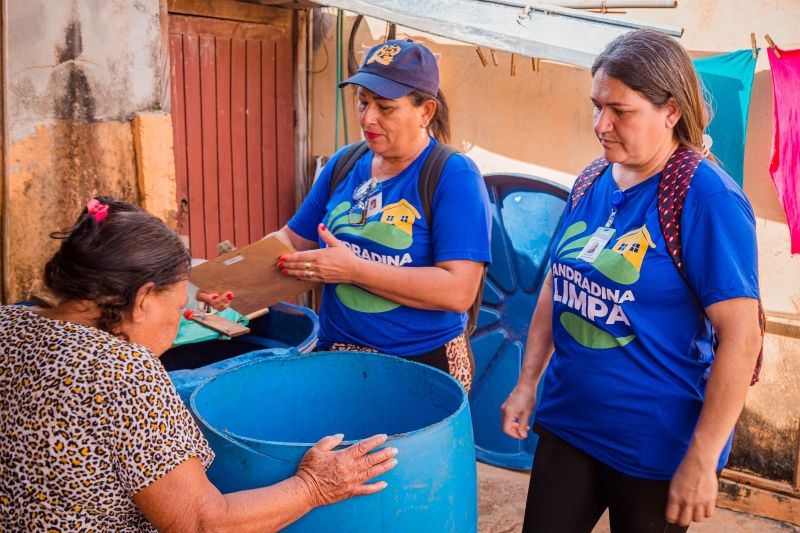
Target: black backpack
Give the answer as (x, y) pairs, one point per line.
(429, 177)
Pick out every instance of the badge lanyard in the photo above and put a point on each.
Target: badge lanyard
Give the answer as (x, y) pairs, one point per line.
(367, 200)
(602, 235)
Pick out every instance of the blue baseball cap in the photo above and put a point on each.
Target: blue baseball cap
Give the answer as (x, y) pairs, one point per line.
(395, 68)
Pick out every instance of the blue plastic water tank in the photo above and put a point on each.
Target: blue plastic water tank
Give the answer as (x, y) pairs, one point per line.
(525, 215)
(286, 326)
(261, 417)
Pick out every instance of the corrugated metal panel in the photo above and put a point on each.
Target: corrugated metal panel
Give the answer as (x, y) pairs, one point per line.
(536, 30)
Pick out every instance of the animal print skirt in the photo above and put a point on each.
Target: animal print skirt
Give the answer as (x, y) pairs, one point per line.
(455, 358)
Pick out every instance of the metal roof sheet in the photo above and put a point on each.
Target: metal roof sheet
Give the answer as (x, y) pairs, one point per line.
(537, 30)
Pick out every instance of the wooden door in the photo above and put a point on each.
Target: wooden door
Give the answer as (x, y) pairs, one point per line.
(233, 124)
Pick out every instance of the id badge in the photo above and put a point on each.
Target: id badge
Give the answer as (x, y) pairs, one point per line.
(374, 204)
(596, 244)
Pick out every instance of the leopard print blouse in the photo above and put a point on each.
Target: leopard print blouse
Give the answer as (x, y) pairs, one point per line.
(86, 421)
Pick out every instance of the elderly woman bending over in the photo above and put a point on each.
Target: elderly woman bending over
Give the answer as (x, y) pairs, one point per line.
(94, 435)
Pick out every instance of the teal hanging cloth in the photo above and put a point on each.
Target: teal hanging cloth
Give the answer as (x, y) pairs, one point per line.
(729, 80)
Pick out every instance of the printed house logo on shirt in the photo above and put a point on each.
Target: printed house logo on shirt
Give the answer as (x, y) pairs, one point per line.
(401, 215)
(394, 230)
(633, 245)
(592, 302)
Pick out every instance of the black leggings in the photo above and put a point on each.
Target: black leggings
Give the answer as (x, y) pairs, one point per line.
(569, 491)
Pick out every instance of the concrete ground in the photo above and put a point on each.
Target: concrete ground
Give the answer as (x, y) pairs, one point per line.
(501, 504)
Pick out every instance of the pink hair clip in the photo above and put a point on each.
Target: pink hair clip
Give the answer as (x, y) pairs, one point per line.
(97, 209)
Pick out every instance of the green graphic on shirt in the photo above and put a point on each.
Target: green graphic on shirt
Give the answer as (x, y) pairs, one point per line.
(572, 231)
(336, 217)
(358, 299)
(620, 263)
(394, 229)
(611, 262)
(589, 335)
(385, 234)
(616, 267)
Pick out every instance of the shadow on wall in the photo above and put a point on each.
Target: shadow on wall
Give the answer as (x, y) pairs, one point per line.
(758, 149)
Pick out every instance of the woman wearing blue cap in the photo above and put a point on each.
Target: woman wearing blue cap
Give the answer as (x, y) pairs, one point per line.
(400, 253)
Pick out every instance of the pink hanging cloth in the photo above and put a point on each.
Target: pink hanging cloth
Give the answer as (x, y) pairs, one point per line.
(785, 163)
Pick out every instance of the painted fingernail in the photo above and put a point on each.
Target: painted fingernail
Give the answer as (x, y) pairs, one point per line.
(229, 295)
(280, 264)
(282, 259)
(285, 272)
(188, 314)
(323, 227)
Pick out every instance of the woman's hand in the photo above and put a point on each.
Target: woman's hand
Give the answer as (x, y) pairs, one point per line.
(517, 410)
(332, 476)
(333, 264)
(219, 302)
(692, 491)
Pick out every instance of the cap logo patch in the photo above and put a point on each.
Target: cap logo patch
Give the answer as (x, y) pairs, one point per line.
(385, 54)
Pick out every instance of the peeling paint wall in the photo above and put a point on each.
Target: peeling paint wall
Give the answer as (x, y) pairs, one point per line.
(89, 60)
(78, 72)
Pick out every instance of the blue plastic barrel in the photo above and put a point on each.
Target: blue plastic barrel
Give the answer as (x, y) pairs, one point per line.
(525, 215)
(261, 417)
(187, 380)
(286, 326)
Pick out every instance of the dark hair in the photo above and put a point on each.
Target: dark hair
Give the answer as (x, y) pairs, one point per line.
(439, 127)
(659, 68)
(107, 262)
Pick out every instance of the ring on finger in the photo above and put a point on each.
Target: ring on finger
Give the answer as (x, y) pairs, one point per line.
(307, 266)
(307, 273)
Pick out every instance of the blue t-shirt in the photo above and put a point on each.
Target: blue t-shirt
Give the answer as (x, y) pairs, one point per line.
(632, 345)
(397, 233)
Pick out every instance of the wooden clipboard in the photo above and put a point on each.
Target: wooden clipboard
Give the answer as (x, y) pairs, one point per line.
(251, 273)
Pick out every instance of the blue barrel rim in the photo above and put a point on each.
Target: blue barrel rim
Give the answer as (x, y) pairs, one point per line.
(242, 441)
(310, 342)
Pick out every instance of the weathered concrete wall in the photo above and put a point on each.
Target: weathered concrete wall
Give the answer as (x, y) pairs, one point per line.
(78, 71)
(155, 164)
(90, 60)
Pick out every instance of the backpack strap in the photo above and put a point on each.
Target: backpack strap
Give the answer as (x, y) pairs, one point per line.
(586, 179)
(351, 154)
(429, 176)
(672, 189)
